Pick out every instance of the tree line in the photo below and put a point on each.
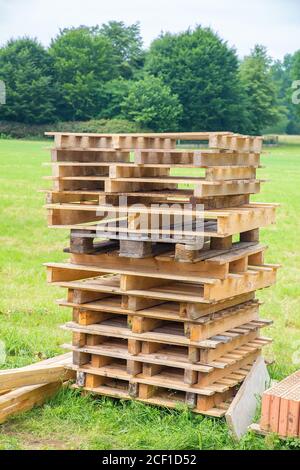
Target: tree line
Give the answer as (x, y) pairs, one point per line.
(189, 81)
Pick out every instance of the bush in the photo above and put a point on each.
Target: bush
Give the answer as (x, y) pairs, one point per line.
(18, 130)
(151, 103)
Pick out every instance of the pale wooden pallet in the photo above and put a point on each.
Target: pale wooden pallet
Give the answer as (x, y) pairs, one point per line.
(149, 158)
(217, 140)
(204, 350)
(171, 287)
(171, 197)
(215, 408)
(125, 141)
(163, 355)
(215, 264)
(210, 400)
(202, 188)
(123, 222)
(117, 302)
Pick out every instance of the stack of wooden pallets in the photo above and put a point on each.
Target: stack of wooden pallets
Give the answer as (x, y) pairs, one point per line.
(161, 313)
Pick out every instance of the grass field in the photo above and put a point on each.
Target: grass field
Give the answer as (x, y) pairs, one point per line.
(29, 317)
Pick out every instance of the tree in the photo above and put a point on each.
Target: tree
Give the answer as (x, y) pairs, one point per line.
(26, 69)
(150, 103)
(84, 62)
(128, 46)
(282, 72)
(295, 77)
(203, 72)
(115, 92)
(262, 104)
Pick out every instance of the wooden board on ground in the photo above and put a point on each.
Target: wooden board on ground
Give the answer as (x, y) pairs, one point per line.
(242, 410)
(24, 398)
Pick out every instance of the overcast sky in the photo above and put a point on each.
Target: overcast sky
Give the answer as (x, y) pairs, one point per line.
(274, 23)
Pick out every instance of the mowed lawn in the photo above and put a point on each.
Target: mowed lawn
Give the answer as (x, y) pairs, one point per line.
(30, 318)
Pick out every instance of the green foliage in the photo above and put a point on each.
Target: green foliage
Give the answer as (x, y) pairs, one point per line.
(115, 92)
(84, 61)
(283, 74)
(295, 75)
(260, 90)
(127, 44)
(103, 72)
(203, 72)
(27, 71)
(18, 130)
(152, 104)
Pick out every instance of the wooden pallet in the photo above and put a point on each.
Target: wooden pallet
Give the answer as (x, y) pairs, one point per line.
(216, 264)
(118, 302)
(131, 177)
(160, 354)
(126, 141)
(83, 242)
(165, 333)
(178, 196)
(187, 288)
(124, 222)
(152, 185)
(217, 140)
(164, 158)
(165, 389)
(164, 316)
(236, 142)
(66, 276)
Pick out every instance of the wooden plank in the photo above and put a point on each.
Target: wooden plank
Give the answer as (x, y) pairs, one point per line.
(25, 398)
(242, 410)
(15, 378)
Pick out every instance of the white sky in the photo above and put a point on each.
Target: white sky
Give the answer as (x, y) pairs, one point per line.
(274, 23)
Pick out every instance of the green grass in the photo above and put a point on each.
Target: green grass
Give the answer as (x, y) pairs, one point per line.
(30, 319)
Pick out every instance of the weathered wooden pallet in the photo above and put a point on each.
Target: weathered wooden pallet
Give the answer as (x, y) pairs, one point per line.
(226, 315)
(121, 303)
(198, 158)
(118, 171)
(217, 140)
(216, 264)
(150, 179)
(213, 406)
(152, 185)
(163, 375)
(236, 142)
(205, 351)
(125, 141)
(166, 316)
(234, 285)
(177, 196)
(165, 389)
(166, 286)
(149, 223)
(159, 355)
(163, 158)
